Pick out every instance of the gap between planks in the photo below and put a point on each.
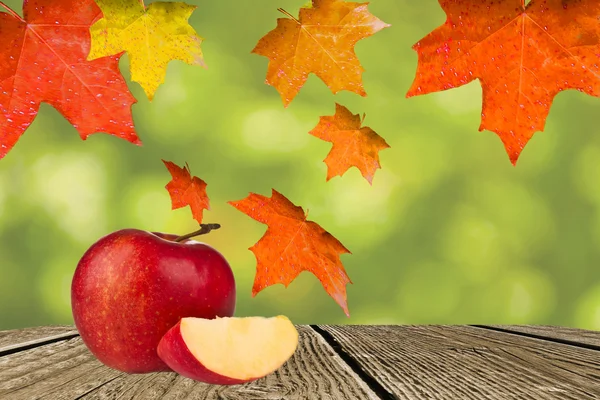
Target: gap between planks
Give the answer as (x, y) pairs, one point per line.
(584, 345)
(354, 365)
(37, 343)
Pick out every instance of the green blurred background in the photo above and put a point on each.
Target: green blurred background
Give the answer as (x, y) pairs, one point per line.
(450, 231)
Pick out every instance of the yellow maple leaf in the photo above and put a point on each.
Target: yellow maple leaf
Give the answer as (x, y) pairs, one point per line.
(151, 36)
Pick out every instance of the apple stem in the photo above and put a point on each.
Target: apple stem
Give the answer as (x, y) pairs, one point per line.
(204, 228)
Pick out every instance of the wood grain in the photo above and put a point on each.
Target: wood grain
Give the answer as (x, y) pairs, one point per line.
(462, 362)
(17, 338)
(573, 335)
(67, 370)
(332, 362)
(62, 370)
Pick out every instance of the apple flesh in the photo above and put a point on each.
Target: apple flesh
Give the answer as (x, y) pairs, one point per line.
(228, 351)
(132, 286)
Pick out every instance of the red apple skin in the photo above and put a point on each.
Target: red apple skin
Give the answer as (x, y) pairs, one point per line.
(175, 353)
(132, 286)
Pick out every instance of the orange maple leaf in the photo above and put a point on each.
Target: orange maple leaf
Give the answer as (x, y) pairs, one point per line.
(353, 145)
(187, 190)
(292, 245)
(522, 55)
(320, 41)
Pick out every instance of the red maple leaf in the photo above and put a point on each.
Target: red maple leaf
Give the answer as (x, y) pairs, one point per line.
(187, 190)
(292, 245)
(522, 55)
(353, 145)
(43, 59)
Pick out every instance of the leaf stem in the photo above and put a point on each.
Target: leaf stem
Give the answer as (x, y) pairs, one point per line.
(281, 10)
(204, 228)
(11, 12)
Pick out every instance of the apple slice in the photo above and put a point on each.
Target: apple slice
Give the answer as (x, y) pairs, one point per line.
(229, 350)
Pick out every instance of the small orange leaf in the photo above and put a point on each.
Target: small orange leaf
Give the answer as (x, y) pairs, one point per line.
(320, 41)
(187, 190)
(292, 245)
(353, 145)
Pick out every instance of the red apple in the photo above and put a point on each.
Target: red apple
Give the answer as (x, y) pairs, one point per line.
(132, 286)
(228, 351)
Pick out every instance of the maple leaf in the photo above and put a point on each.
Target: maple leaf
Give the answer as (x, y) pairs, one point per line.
(353, 145)
(186, 190)
(44, 60)
(320, 41)
(151, 36)
(522, 55)
(292, 245)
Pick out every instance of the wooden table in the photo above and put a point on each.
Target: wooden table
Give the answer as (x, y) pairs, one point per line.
(333, 362)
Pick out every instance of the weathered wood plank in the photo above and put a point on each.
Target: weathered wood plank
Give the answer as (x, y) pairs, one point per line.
(67, 370)
(573, 335)
(315, 371)
(12, 340)
(62, 370)
(462, 362)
